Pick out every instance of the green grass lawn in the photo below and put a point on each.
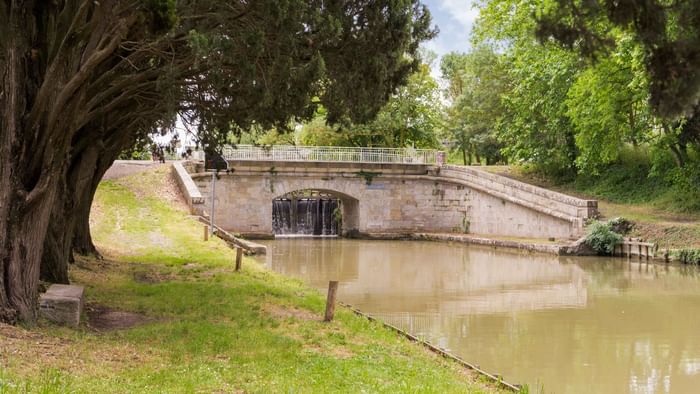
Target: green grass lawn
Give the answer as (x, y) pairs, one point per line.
(203, 327)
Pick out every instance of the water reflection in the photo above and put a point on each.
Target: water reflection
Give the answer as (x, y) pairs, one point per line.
(572, 324)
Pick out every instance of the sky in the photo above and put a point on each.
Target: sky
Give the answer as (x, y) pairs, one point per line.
(455, 19)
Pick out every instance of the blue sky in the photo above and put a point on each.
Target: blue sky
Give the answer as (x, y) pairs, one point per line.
(454, 18)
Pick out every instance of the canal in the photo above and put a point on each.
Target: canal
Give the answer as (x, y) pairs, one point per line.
(568, 325)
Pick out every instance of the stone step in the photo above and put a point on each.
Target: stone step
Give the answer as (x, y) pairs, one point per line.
(62, 304)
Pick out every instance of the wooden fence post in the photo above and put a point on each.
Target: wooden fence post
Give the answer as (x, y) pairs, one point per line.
(239, 257)
(206, 232)
(330, 300)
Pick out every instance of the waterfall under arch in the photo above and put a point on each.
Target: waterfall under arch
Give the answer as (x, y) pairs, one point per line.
(307, 212)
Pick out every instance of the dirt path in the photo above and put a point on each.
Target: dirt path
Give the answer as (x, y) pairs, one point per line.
(122, 168)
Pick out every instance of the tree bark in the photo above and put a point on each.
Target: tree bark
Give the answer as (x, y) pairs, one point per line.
(75, 187)
(42, 102)
(69, 230)
(28, 177)
(82, 238)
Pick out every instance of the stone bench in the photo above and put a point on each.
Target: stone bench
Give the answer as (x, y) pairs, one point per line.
(62, 304)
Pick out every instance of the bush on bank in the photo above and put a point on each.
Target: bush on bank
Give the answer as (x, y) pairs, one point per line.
(688, 256)
(602, 238)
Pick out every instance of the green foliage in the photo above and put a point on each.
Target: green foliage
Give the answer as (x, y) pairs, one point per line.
(465, 224)
(476, 82)
(602, 238)
(411, 117)
(620, 225)
(643, 176)
(608, 106)
(668, 32)
(318, 132)
(535, 127)
(563, 113)
(688, 256)
(162, 13)
(628, 180)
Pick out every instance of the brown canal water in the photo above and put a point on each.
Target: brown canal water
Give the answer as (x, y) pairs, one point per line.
(567, 325)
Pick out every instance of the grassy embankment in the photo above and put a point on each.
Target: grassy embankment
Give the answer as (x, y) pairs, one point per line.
(200, 326)
(630, 189)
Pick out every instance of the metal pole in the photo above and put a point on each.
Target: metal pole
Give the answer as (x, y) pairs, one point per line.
(213, 195)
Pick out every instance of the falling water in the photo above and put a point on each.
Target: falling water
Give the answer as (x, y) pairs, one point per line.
(308, 216)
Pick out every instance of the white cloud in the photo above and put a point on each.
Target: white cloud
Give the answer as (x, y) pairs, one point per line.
(462, 11)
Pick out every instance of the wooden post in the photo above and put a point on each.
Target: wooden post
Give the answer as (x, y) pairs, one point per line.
(640, 251)
(239, 257)
(629, 251)
(330, 300)
(647, 252)
(206, 232)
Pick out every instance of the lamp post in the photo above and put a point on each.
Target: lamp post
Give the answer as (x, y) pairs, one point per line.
(213, 197)
(213, 193)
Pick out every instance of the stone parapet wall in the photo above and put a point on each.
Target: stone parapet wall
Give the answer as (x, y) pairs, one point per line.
(189, 189)
(536, 197)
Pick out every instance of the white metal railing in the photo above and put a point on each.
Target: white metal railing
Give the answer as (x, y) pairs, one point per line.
(332, 154)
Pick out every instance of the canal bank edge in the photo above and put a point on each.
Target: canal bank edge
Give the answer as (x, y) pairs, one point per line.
(497, 379)
(577, 248)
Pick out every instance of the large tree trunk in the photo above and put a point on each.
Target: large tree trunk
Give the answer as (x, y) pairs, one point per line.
(82, 239)
(76, 186)
(28, 172)
(70, 225)
(41, 104)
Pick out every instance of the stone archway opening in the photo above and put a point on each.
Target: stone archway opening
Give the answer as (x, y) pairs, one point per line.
(312, 212)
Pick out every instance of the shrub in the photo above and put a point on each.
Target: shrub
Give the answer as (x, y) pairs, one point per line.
(602, 238)
(620, 225)
(688, 256)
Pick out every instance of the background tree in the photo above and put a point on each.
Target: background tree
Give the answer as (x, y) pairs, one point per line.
(476, 82)
(411, 117)
(608, 107)
(668, 32)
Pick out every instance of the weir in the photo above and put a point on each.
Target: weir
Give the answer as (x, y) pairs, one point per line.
(306, 213)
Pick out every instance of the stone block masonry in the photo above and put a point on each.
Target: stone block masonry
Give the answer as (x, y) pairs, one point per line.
(399, 198)
(62, 304)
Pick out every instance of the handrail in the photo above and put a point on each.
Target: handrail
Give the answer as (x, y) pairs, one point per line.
(332, 154)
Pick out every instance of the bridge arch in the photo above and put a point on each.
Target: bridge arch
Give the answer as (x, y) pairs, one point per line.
(315, 211)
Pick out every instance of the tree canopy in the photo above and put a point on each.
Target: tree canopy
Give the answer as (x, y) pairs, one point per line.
(668, 32)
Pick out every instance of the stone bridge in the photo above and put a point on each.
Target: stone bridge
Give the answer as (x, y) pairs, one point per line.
(381, 193)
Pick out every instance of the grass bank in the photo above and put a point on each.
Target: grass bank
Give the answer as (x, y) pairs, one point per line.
(168, 314)
(631, 188)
